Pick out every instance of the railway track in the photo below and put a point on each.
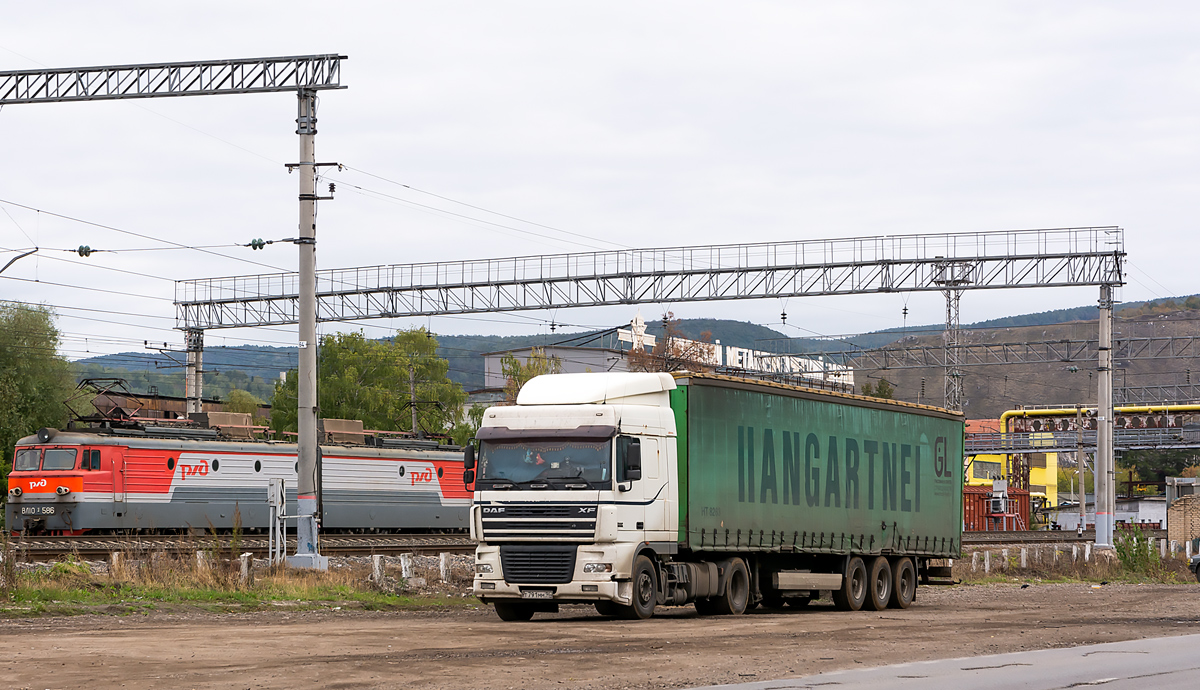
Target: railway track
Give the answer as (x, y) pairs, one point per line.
(51, 548)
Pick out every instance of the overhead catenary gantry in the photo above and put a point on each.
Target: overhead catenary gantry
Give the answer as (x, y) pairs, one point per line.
(305, 75)
(947, 263)
(806, 268)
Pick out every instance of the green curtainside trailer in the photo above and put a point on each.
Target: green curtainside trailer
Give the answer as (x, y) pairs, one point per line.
(775, 468)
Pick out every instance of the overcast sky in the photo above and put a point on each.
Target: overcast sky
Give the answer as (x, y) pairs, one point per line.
(636, 124)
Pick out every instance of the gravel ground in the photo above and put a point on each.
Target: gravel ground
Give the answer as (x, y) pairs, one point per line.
(469, 647)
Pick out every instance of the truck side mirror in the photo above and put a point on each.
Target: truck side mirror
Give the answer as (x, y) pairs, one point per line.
(469, 456)
(468, 476)
(633, 461)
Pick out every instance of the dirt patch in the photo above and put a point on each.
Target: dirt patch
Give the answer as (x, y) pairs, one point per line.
(470, 647)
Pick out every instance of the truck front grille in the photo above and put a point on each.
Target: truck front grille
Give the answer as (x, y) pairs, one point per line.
(540, 564)
(570, 523)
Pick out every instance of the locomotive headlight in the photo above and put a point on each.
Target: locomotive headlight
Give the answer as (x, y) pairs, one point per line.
(62, 491)
(483, 568)
(597, 567)
(15, 491)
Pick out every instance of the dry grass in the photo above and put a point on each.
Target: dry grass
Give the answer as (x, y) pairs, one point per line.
(1042, 563)
(212, 581)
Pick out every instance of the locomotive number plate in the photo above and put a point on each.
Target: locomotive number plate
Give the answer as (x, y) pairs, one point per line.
(37, 510)
(537, 594)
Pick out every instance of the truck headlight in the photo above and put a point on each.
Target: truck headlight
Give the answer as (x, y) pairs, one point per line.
(483, 567)
(597, 567)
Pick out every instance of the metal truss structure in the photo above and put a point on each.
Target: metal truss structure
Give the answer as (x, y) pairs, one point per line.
(1066, 441)
(909, 263)
(1156, 395)
(204, 78)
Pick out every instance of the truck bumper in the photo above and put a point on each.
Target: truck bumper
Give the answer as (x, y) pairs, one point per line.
(584, 587)
(569, 593)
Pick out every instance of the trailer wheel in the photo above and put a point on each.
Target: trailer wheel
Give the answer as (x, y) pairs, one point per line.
(737, 590)
(880, 583)
(854, 586)
(904, 583)
(645, 591)
(509, 611)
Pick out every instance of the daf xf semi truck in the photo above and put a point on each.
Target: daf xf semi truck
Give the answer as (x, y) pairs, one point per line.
(632, 491)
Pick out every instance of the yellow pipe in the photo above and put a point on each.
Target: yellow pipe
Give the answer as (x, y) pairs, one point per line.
(1149, 409)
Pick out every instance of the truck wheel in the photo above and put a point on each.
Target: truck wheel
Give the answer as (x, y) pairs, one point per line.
(854, 586)
(880, 583)
(645, 591)
(737, 590)
(509, 611)
(904, 583)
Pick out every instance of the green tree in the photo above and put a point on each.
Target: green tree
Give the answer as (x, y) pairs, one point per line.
(34, 379)
(245, 402)
(518, 373)
(1156, 465)
(881, 389)
(369, 380)
(464, 429)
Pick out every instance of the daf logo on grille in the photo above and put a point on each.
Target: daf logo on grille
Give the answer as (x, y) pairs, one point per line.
(587, 510)
(493, 510)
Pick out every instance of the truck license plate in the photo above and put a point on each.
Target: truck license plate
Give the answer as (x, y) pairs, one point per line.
(536, 594)
(37, 510)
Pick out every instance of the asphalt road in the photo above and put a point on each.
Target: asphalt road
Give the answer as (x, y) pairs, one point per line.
(1163, 663)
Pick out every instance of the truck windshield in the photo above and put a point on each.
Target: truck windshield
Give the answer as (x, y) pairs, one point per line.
(558, 463)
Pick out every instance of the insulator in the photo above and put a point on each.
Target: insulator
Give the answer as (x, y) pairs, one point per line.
(332, 188)
(84, 250)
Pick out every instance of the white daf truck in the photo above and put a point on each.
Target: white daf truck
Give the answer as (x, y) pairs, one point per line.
(635, 490)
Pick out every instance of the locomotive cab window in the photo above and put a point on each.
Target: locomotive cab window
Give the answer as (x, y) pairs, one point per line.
(91, 460)
(28, 459)
(59, 459)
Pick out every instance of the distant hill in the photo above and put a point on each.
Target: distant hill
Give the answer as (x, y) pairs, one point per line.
(991, 389)
(260, 366)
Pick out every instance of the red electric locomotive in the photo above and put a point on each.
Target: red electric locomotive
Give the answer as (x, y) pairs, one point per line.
(172, 479)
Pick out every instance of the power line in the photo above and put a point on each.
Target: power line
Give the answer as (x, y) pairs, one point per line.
(136, 234)
(485, 210)
(100, 267)
(435, 209)
(80, 287)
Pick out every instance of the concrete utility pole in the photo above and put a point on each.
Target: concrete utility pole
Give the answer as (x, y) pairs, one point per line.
(194, 377)
(1104, 474)
(1079, 465)
(307, 552)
